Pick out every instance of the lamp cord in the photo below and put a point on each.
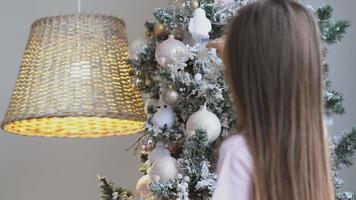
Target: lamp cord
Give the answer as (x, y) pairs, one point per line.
(79, 6)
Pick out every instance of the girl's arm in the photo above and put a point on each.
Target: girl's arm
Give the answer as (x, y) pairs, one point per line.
(219, 45)
(234, 171)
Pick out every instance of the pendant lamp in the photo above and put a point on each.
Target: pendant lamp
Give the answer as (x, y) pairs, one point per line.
(74, 81)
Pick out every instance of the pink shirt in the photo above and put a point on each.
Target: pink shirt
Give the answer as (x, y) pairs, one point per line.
(234, 170)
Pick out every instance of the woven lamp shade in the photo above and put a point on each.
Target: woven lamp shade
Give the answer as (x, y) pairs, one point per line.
(74, 81)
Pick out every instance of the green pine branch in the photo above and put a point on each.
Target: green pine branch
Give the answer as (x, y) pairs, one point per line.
(331, 31)
(345, 149)
(324, 13)
(109, 191)
(171, 17)
(333, 101)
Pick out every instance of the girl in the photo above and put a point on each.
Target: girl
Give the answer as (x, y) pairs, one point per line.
(273, 60)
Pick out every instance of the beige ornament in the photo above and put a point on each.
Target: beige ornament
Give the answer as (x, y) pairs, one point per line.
(148, 81)
(143, 187)
(206, 120)
(195, 4)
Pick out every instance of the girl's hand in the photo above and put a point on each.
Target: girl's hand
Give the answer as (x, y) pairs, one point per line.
(219, 45)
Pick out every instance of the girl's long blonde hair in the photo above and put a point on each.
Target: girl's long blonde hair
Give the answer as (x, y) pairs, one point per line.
(274, 67)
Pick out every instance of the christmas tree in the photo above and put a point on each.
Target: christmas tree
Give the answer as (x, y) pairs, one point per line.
(188, 105)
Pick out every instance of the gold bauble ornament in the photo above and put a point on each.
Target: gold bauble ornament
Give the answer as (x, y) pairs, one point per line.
(148, 81)
(147, 34)
(194, 4)
(159, 30)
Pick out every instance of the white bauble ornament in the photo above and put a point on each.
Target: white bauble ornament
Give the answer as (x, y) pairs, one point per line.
(158, 152)
(136, 47)
(199, 25)
(198, 77)
(165, 116)
(206, 120)
(171, 51)
(170, 96)
(143, 187)
(163, 169)
(223, 3)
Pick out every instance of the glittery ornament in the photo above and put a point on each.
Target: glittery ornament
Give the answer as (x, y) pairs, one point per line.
(136, 47)
(136, 82)
(159, 31)
(185, 5)
(171, 51)
(146, 144)
(170, 96)
(143, 187)
(206, 120)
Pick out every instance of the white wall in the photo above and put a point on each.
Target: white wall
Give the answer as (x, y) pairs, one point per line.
(342, 61)
(58, 169)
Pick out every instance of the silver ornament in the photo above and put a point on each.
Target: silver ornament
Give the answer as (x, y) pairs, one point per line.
(186, 6)
(136, 82)
(137, 47)
(146, 144)
(170, 96)
(198, 77)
